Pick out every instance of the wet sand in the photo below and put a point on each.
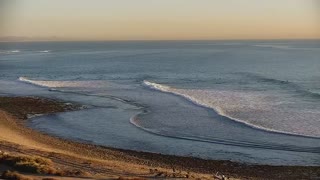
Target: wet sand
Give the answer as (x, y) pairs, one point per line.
(111, 163)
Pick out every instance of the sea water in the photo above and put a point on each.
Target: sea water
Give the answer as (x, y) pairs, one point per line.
(245, 101)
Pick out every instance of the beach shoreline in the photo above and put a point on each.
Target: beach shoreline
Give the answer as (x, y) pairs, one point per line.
(112, 163)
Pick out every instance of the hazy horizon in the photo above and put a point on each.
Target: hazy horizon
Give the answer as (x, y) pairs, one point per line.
(30, 20)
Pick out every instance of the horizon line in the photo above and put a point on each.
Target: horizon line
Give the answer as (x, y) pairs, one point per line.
(150, 40)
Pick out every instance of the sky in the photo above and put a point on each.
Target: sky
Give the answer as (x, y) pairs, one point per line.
(159, 19)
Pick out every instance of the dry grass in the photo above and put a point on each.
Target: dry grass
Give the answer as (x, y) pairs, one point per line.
(13, 176)
(174, 174)
(128, 178)
(72, 173)
(28, 164)
(37, 165)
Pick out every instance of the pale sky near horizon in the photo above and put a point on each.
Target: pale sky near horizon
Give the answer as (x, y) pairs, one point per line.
(160, 19)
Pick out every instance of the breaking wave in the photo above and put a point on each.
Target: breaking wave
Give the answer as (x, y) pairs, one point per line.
(9, 51)
(45, 51)
(64, 84)
(256, 110)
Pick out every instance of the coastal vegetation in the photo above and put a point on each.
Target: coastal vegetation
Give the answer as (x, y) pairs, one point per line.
(33, 165)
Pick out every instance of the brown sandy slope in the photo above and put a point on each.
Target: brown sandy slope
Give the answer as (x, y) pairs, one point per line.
(110, 163)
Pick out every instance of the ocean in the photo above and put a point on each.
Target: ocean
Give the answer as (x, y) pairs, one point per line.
(254, 102)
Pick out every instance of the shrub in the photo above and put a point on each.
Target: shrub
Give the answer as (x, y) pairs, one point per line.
(38, 165)
(13, 176)
(28, 164)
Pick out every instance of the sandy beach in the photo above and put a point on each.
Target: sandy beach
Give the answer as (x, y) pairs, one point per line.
(96, 162)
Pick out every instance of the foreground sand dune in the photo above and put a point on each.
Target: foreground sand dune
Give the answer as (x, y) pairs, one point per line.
(108, 163)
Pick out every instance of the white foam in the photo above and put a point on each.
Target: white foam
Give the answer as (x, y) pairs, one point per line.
(29, 116)
(9, 51)
(258, 110)
(45, 51)
(62, 84)
(215, 99)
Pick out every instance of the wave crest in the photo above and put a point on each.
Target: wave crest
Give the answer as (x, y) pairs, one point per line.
(45, 51)
(256, 110)
(9, 51)
(63, 84)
